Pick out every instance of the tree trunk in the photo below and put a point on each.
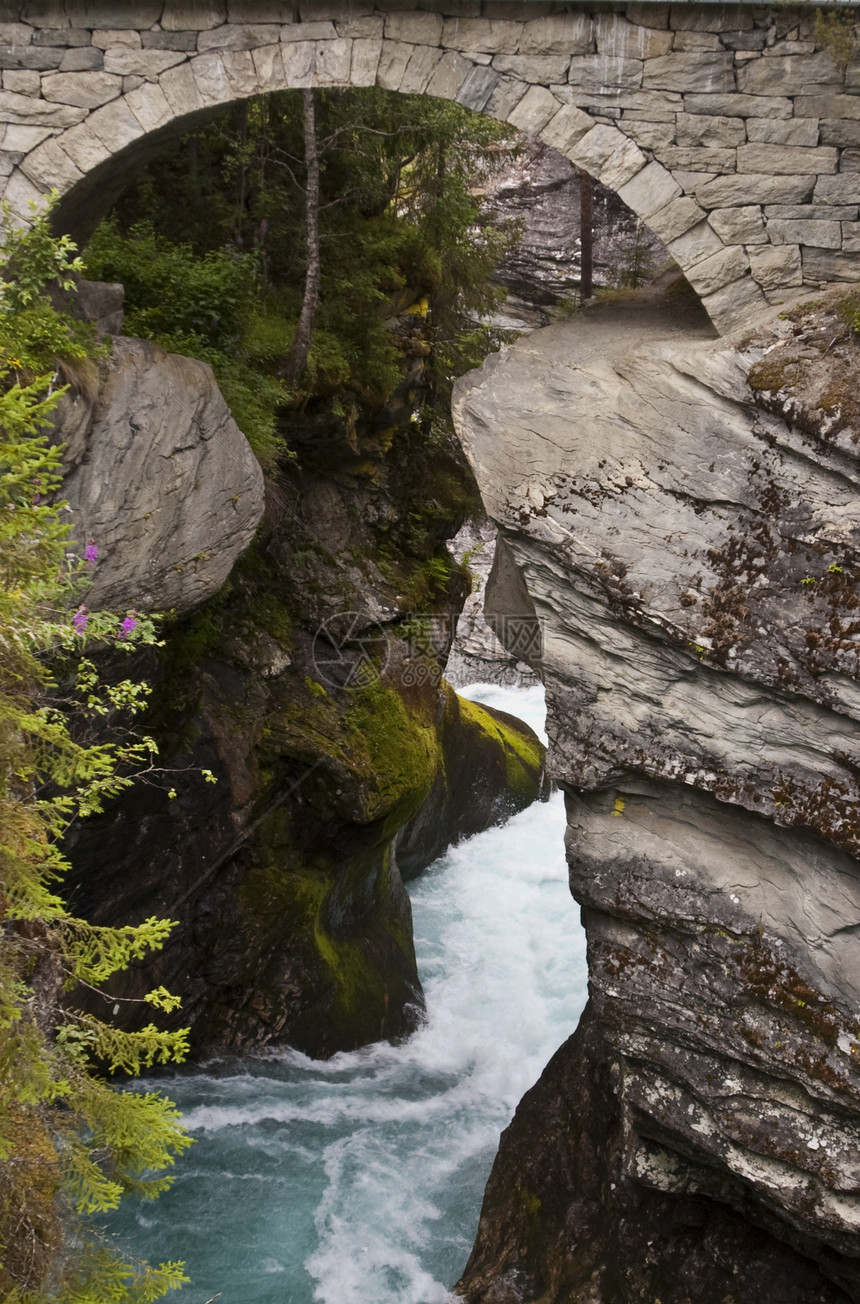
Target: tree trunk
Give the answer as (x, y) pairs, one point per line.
(297, 357)
(585, 242)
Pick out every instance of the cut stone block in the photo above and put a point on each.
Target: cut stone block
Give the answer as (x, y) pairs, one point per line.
(812, 212)
(844, 188)
(756, 188)
(181, 90)
(241, 73)
(150, 106)
(620, 39)
(741, 106)
(492, 36)
(840, 131)
(87, 60)
(24, 81)
(699, 73)
(794, 131)
(84, 147)
(691, 159)
(851, 237)
(650, 190)
(418, 28)
(770, 76)
(116, 125)
(49, 165)
(534, 110)
(105, 40)
(141, 63)
(269, 66)
(820, 235)
(734, 305)
(648, 135)
(311, 31)
(536, 68)
(830, 265)
(368, 28)
(774, 268)
(235, 36)
(86, 89)
(365, 61)
(787, 160)
(135, 14)
(27, 111)
(190, 15)
(477, 89)
(608, 155)
(697, 244)
(557, 34)
(420, 68)
(601, 74)
(449, 75)
(710, 130)
(722, 268)
(675, 218)
(742, 225)
(393, 61)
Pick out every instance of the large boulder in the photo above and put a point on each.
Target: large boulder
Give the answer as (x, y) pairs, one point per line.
(160, 477)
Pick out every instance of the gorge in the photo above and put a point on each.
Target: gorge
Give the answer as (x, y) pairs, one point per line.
(674, 485)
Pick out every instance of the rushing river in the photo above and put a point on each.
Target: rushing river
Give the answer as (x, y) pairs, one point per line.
(359, 1180)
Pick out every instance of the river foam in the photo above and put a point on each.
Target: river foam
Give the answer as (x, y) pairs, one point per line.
(358, 1180)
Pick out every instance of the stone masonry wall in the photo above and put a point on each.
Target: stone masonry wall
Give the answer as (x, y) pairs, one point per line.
(724, 128)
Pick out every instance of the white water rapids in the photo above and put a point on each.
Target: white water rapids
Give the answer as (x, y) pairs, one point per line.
(359, 1180)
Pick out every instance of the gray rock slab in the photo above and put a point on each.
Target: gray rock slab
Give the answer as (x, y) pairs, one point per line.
(756, 188)
(794, 131)
(787, 160)
(169, 488)
(701, 73)
(776, 268)
(822, 235)
(741, 225)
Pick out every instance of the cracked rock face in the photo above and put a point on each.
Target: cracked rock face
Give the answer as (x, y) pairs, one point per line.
(692, 558)
(161, 477)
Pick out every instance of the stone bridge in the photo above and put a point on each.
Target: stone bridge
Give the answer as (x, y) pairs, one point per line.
(727, 129)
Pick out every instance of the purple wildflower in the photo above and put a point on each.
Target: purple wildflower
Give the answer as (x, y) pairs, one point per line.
(79, 620)
(91, 552)
(126, 627)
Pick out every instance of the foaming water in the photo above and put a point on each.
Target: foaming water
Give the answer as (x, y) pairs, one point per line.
(359, 1180)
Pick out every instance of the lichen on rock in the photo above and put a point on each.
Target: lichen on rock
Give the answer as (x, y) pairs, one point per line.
(688, 541)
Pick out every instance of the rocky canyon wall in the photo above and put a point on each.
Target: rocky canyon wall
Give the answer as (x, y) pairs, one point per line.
(301, 665)
(688, 539)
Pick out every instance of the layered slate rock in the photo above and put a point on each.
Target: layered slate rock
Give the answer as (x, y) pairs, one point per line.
(690, 112)
(692, 558)
(160, 477)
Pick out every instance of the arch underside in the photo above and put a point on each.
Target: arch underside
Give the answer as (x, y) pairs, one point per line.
(724, 129)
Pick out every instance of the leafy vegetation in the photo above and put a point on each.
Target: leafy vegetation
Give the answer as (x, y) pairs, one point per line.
(71, 1144)
(208, 244)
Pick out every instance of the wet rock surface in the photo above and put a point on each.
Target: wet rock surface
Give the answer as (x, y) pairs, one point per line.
(691, 556)
(307, 687)
(476, 654)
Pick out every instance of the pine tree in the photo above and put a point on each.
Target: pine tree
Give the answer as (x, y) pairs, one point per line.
(71, 1143)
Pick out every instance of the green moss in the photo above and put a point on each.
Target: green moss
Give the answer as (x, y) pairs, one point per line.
(524, 755)
(396, 749)
(772, 373)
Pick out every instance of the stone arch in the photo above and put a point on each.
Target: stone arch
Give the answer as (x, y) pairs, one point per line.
(613, 91)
